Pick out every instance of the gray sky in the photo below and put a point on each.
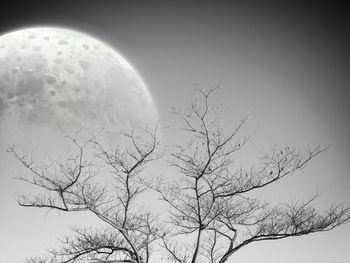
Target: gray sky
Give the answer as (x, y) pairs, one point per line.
(287, 65)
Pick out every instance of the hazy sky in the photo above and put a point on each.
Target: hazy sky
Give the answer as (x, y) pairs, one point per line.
(286, 64)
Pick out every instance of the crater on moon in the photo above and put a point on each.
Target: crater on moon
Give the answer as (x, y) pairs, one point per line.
(65, 79)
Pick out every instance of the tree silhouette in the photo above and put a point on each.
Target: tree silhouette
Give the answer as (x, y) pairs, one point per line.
(211, 200)
(73, 186)
(212, 210)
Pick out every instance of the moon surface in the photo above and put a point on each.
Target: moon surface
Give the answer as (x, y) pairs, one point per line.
(66, 80)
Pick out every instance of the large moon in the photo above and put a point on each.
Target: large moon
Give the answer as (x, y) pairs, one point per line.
(64, 79)
(55, 82)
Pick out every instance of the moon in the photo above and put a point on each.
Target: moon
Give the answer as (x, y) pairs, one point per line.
(65, 79)
(54, 82)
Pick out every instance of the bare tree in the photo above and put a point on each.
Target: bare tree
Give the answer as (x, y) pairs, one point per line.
(74, 185)
(212, 204)
(213, 211)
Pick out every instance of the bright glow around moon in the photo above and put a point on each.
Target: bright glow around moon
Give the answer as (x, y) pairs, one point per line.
(66, 80)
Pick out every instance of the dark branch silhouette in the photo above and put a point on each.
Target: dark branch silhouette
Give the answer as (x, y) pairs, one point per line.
(210, 202)
(74, 185)
(212, 210)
